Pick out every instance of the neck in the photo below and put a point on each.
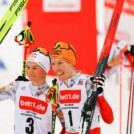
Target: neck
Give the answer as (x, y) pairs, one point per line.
(70, 76)
(39, 83)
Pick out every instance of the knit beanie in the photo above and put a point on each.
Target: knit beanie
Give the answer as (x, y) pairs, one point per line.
(64, 51)
(41, 57)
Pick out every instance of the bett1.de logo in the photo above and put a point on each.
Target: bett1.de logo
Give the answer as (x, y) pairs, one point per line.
(70, 96)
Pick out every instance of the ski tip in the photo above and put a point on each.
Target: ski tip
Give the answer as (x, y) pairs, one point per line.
(29, 23)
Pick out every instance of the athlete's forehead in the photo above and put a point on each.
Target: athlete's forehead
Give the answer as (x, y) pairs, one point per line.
(57, 60)
(31, 64)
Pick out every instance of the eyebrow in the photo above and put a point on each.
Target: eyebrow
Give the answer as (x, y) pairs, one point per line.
(32, 66)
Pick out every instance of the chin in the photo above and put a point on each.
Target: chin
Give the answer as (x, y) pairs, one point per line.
(61, 78)
(32, 79)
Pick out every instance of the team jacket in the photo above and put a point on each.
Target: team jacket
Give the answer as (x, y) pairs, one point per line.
(32, 112)
(71, 102)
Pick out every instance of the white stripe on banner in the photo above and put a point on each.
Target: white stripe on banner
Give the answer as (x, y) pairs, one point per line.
(61, 5)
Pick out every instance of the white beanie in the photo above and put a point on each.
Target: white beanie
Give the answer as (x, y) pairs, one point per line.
(40, 59)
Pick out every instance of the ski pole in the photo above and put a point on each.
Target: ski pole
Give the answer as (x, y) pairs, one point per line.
(131, 101)
(26, 39)
(120, 118)
(54, 104)
(52, 96)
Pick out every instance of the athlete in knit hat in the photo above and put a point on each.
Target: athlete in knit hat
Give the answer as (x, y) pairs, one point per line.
(64, 51)
(73, 90)
(41, 57)
(33, 113)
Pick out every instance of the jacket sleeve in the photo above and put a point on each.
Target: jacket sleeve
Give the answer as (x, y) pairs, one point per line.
(105, 110)
(8, 91)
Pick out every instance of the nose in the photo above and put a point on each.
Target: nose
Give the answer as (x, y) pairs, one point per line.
(29, 71)
(55, 68)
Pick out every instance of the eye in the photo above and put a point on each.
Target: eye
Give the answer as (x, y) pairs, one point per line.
(34, 68)
(60, 62)
(52, 64)
(27, 67)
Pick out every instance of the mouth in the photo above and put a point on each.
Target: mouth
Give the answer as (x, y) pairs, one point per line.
(60, 73)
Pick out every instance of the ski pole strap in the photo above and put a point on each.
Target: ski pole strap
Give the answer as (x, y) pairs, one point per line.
(55, 94)
(25, 38)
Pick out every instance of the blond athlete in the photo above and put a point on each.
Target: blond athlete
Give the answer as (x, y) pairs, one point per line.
(33, 114)
(73, 90)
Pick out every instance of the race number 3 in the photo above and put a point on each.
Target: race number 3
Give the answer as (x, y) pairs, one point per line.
(30, 128)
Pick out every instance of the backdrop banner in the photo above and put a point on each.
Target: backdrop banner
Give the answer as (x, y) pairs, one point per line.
(75, 24)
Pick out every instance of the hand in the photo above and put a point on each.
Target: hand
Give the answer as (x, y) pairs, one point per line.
(132, 50)
(50, 94)
(98, 82)
(114, 62)
(21, 78)
(51, 91)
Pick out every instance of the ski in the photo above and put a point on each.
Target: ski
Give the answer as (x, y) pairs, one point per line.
(10, 17)
(9, 11)
(89, 106)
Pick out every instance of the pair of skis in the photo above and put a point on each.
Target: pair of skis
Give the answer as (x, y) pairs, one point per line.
(10, 17)
(89, 105)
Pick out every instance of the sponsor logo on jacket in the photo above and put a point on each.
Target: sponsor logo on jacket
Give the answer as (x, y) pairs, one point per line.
(70, 96)
(33, 104)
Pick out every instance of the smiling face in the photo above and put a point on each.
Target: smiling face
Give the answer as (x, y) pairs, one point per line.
(35, 73)
(64, 70)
